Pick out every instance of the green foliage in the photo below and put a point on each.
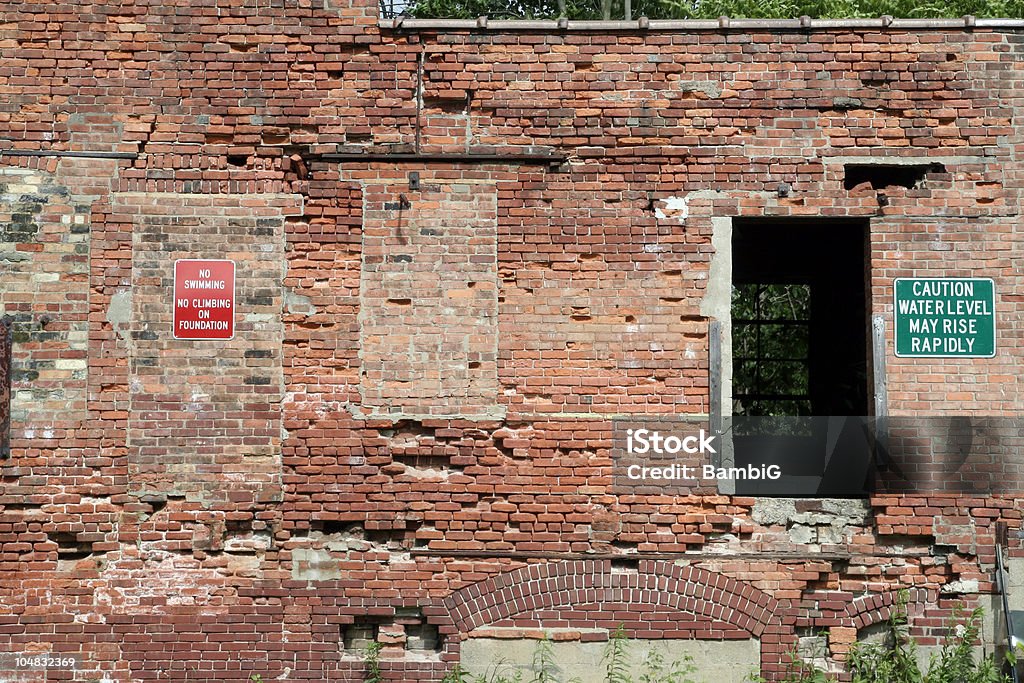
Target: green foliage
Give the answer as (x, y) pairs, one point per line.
(710, 9)
(955, 662)
(460, 675)
(616, 658)
(371, 659)
(896, 661)
(892, 662)
(256, 678)
(799, 671)
(656, 671)
(771, 348)
(544, 666)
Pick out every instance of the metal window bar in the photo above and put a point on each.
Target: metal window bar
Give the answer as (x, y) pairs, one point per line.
(757, 392)
(774, 397)
(770, 321)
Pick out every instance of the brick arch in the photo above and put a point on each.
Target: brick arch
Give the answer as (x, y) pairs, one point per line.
(555, 584)
(874, 609)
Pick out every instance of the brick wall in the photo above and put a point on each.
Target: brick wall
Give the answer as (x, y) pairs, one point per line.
(410, 435)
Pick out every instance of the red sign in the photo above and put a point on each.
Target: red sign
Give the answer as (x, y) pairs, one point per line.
(204, 299)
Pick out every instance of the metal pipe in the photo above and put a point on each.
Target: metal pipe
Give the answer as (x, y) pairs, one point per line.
(63, 153)
(1001, 538)
(418, 95)
(441, 157)
(628, 557)
(642, 23)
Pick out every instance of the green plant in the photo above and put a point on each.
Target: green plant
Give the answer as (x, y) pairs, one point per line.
(799, 671)
(710, 9)
(616, 658)
(457, 675)
(544, 662)
(256, 678)
(896, 661)
(656, 671)
(460, 675)
(891, 662)
(371, 659)
(955, 661)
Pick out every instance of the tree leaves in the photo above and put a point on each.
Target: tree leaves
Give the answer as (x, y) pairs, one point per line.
(710, 9)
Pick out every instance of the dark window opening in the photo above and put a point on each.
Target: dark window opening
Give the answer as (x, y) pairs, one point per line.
(423, 636)
(885, 175)
(800, 354)
(799, 318)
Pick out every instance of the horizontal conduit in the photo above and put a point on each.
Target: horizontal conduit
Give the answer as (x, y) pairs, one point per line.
(722, 23)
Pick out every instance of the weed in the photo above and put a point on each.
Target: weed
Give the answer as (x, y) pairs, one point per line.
(372, 661)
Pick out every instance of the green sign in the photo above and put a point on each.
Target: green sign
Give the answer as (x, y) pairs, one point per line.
(945, 317)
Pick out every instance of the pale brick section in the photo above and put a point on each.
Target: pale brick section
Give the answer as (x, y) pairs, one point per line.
(44, 261)
(205, 417)
(428, 331)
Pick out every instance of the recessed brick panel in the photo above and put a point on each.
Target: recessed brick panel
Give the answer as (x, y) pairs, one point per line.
(428, 299)
(205, 419)
(44, 287)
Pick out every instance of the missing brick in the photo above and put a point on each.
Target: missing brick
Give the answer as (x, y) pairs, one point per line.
(422, 636)
(418, 461)
(246, 537)
(358, 635)
(880, 176)
(330, 527)
(69, 547)
(449, 102)
(359, 137)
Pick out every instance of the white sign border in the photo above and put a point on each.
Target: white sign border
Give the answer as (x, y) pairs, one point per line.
(174, 304)
(895, 327)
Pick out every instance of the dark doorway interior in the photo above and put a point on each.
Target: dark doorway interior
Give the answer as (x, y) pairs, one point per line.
(799, 329)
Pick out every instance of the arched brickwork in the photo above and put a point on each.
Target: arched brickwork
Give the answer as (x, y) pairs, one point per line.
(876, 609)
(687, 589)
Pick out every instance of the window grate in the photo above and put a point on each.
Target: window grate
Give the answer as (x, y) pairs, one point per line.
(771, 360)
